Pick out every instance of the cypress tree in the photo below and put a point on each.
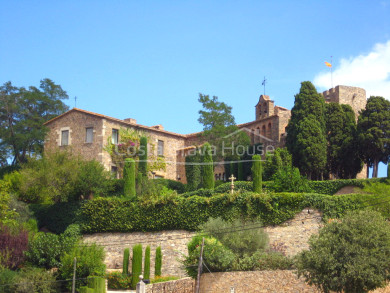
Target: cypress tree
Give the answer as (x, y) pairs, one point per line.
(129, 178)
(193, 171)
(207, 167)
(143, 157)
(240, 171)
(158, 262)
(257, 173)
(147, 263)
(136, 265)
(125, 264)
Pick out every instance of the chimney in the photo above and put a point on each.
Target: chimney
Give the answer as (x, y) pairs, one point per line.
(159, 127)
(130, 120)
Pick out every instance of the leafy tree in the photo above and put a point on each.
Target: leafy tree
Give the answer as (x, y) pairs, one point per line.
(257, 173)
(374, 132)
(207, 167)
(22, 114)
(306, 139)
(343, 156)
(350, 255)
(219, 127)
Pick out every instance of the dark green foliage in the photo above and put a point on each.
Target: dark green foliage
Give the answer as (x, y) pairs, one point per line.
(38, 280)
(374, 132)
(136, 265)
(238, 186)
(22, 115)
(90, 262)
(125, 264)
(7, 280)
(306, 140)
(288, 179)
(257, 174)
(256, 149)
(201, 192)
(274, 161)
(129, 178)
(158, 262)
(332, 186)
(388, 171)
(240, 171)
(216, 256)
(263, 260)
(343, 153)
(85, 289)
(193, 170)
(147, 263)
(98, 284)
(207, 167)
(117, 280)
(172, 184)
(143, 157)
(350, 255)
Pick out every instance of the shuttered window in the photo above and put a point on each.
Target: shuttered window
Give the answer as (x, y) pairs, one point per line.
(89, 135)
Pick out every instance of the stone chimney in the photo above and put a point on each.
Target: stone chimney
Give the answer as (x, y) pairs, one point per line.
(130, 120)
(159, 127)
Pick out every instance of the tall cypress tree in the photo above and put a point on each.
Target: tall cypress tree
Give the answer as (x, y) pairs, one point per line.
(129, 177)
(257, 174)
(143, 157)
(306, 140)
(193, 170)
(207, 167)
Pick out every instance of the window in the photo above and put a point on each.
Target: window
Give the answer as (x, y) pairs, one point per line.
(89, 134)
(65, 137)
(160, 148)
(115, 136)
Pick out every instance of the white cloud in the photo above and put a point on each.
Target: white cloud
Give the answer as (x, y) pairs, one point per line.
(370, 71)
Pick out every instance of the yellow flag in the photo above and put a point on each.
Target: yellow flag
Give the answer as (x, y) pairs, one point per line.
(328, 64)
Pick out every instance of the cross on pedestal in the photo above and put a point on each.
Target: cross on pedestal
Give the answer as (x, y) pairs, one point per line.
(232, 178)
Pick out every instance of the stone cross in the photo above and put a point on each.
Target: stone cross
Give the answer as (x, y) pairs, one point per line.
(140, 285)
(232, 178)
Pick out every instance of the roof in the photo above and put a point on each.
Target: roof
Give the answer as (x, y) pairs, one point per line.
(116, 120)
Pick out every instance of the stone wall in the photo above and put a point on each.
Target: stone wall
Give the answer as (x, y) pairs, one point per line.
(185, 285)
(173, 246)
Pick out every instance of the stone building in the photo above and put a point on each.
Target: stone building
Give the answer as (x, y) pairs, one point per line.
(87, 133)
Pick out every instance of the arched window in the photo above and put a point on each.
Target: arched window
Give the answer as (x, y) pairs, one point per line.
(263, 133)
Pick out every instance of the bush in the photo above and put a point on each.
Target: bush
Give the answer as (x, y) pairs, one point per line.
(349, 255)
(172, 184)
(13, 244)
(263, 260)
(46, 249)
(98, 284)
(90, 262)
(288, 179)
(217, 257)
(332, 186)
(117, 280)
(239, 236)
(136, 265)
(158, 262)
(7, 280)
(35, 280)
(241, 186)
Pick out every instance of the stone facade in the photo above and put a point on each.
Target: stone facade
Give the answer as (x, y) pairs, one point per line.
(269, 128)
(185, 285)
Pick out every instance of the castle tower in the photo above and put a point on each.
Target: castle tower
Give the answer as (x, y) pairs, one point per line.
(264, 108)
(353, 96)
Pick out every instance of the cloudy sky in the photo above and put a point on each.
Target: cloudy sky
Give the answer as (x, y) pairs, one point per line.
(149, 60)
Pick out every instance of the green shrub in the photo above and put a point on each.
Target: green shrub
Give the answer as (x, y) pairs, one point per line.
(238, 186)
(207, 167)
(85, 289)
(242, 239)
(143, 157)
(13, 244)
(257, 174)
(125, 264)
(147, 263)
(46, 249)
(200, 192)
(172, 184)
(129, 178)
(350, 255)
(263, 260)
(116, 280)
(7, 280)
(98, 284)
(136, 265)
(35, 280)
(158, 262)
(332, 186)
(90, 262)
(288, 179)
(217, 257)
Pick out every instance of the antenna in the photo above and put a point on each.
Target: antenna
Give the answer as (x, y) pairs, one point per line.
(75, 102)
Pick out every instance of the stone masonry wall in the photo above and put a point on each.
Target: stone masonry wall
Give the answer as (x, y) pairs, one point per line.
(185, 285)
(291, 237)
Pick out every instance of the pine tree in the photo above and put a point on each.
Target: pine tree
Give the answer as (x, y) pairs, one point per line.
(143, 157)
(207, 167)
(257, 174)
(129, 178)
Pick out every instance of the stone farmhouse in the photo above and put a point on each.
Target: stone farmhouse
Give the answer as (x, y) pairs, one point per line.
(87, 133)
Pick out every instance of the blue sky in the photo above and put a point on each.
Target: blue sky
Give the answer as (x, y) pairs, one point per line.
(149, 60)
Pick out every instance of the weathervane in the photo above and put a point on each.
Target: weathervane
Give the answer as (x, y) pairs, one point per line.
(263, 83)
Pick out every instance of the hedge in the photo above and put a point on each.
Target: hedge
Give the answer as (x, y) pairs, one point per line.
(119, 215)
(172, 184)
